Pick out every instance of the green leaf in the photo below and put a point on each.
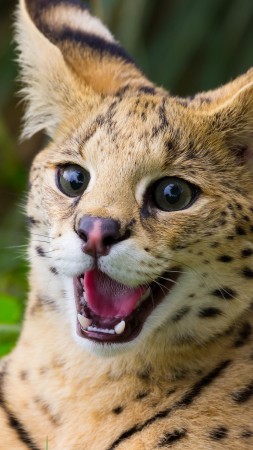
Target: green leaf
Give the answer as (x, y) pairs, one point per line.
(10, 311)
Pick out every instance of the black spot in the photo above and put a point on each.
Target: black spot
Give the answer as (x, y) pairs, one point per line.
(142, 395)
(32, 222)
(170, 145)
(147, 90)
(147, 249)
(246, 218)
(209, 312)
(246, 434)
(178, 247)
(225, 258)
(122, 90)
(180, 313)
(218, 433)
(230, 238)
(118, 410)
(225, 292)
(244, 394)
(240, 231)
(243, 335)
(246, 252)
(143, 116)
(247, 272)
(238, 206)
(171, 437)
(191, 295)
(40, 251)
(53, 270)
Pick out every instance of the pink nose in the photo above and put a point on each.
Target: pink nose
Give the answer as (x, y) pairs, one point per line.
(99, 234)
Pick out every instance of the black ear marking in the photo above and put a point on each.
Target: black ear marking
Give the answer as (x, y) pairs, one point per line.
(37, 8)
(60, 33)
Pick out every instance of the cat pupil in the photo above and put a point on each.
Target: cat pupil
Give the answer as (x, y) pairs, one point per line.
(172, 193)
(76, 180)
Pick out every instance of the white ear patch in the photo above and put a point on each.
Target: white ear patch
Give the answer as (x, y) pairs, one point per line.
(44, 75)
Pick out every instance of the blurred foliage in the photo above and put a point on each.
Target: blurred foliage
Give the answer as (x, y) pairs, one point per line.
(184, 45)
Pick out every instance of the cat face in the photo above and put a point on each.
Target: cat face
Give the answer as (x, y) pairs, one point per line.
(139, 207)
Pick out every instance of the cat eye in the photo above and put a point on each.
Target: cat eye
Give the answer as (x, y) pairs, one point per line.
(173, 194)
(72, 180)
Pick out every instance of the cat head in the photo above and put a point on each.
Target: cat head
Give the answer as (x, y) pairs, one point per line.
(140, 206)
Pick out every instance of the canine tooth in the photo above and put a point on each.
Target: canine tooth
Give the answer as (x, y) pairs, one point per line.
(120, 327)
(84, 321)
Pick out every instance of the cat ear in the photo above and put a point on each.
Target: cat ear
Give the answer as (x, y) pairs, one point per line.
(210, 100)
(69, 62)
(230, 111)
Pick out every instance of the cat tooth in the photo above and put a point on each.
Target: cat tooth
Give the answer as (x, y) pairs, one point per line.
(84, 321)
(101, 330)
(120, 327)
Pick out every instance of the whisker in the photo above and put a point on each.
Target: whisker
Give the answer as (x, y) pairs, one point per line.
(41, 235)
(37, 240)
(11, 247)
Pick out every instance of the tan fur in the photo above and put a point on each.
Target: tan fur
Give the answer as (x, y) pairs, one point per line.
(184, 382)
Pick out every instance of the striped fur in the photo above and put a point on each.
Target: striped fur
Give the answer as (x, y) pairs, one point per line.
(76, 60)
(186, 380)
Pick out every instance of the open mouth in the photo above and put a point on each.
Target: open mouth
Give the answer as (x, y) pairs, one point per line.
(111, 312)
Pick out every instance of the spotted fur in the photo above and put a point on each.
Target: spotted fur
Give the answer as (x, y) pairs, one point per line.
(186, 380)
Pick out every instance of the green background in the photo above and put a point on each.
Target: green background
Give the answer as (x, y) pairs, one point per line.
(184, 45)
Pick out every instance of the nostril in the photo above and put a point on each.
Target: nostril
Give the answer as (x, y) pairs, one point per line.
(83, 236)
(109, 240)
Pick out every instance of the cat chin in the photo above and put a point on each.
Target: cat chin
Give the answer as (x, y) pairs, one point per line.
(106, 350)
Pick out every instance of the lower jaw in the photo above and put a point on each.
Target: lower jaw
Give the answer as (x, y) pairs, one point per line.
(133, 322)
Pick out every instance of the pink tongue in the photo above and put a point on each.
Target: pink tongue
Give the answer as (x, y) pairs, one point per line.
(107, 297)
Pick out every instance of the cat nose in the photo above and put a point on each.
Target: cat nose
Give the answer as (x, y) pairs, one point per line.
(99, 235)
